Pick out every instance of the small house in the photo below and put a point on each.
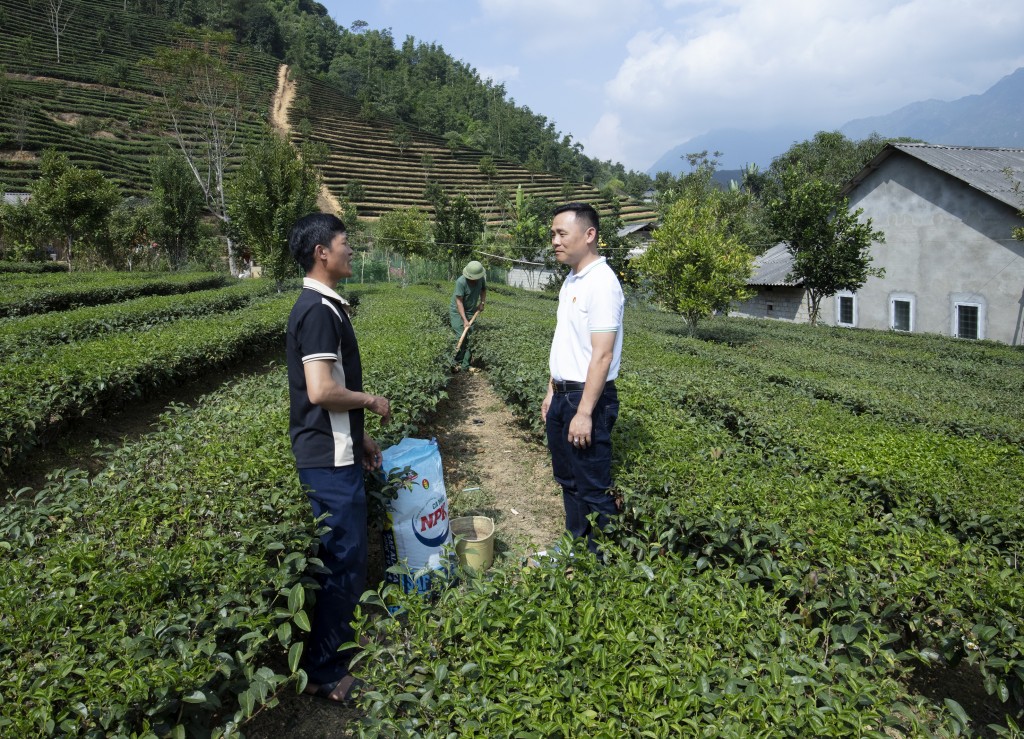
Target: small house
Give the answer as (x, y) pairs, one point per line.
(952, 265)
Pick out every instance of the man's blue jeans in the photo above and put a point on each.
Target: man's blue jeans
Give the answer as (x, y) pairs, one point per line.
(584, 474)
(338, 492)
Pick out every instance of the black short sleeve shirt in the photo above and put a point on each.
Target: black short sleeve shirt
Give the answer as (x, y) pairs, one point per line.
(319, 329)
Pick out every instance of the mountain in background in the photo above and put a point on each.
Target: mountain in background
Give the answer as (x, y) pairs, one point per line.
(993, 118)
(739, 147)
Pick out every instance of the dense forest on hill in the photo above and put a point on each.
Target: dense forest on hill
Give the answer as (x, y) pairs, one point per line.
(413, 81)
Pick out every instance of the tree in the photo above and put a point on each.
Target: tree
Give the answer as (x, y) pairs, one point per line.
(204, 98)
(487, 167)
(72, 203)
(400, 138)
(693, 265)
(405, 230)
(176, 210)
(830, 247)
(58, 15)
(457, 228)
(453, 140)
(20, 234)
(427, 162)
(272, 189)
(829, 157)
(127, 241)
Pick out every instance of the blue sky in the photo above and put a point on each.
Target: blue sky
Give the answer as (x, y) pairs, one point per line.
(631, 79)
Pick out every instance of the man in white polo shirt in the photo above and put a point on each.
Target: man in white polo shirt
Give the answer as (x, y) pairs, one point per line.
(581, 404)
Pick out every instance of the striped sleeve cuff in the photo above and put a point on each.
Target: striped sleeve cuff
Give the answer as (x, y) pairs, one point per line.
(320, 357)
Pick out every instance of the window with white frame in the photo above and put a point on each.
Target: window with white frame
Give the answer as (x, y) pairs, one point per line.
(846, 308)
(901, 312)
(968, 320)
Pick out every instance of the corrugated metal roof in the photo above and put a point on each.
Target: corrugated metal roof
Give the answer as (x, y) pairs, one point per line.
(984, 169)
(634, 227)
(774, 268)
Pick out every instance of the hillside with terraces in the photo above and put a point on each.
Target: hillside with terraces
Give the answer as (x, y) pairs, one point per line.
(99, 105)
(364, 153)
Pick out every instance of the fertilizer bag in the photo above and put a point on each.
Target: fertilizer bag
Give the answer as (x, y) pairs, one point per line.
(417, 529)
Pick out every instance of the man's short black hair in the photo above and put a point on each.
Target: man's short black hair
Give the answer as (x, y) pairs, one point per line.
(584, 212)
(308, 231)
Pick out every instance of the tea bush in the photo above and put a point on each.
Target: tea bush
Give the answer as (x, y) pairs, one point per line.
(27, 334)
(22, 295)
(167, 594)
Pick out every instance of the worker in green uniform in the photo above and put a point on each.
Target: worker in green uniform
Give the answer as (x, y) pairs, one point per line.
(468, 299)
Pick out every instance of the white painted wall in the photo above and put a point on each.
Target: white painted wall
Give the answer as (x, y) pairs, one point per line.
(530, 279)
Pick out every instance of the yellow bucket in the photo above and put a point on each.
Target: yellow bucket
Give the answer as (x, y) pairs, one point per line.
(474, 541)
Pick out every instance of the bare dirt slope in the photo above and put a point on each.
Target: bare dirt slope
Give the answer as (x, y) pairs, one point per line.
(284, 96)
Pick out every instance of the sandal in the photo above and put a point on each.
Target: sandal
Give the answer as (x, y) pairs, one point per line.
(326, 691)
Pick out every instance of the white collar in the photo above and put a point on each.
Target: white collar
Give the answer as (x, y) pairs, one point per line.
(583, 273)
(322, 289)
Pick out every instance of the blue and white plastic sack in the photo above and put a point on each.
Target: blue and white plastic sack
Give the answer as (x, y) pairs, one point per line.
(417, 532)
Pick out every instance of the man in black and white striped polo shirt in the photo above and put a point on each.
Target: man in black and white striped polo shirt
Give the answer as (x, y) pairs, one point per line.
(325, 383)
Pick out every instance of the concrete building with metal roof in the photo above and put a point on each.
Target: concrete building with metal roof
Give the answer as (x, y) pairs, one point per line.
(776, 293)
(951, 263)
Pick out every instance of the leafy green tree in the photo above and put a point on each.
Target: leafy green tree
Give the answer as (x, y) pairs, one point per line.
(457, 229)
(127, 242)
(452, 140)
(272, 189)
(21, 236)
(401, 138)
(831, 249)
(828, 157)
(693, 265)
(531, 226)
(616, 248)
(404, 230)
(427, 162)
(176, 210)
(72, 203)
(487, 167)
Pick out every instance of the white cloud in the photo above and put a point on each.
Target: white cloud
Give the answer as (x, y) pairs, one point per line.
(568, 29)
(750, 63)
(609, 138)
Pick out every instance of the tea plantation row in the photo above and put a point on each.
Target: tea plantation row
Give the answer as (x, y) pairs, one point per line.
(786, 560)
(796, 541)
(124, 352)
(166, 594)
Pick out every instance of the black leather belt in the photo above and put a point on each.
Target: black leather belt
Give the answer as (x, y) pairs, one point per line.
(577, 387)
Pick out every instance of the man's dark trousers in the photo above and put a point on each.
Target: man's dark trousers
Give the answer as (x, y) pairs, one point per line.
(338, 492)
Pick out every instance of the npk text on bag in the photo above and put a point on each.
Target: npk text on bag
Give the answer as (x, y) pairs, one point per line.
(417, 532)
